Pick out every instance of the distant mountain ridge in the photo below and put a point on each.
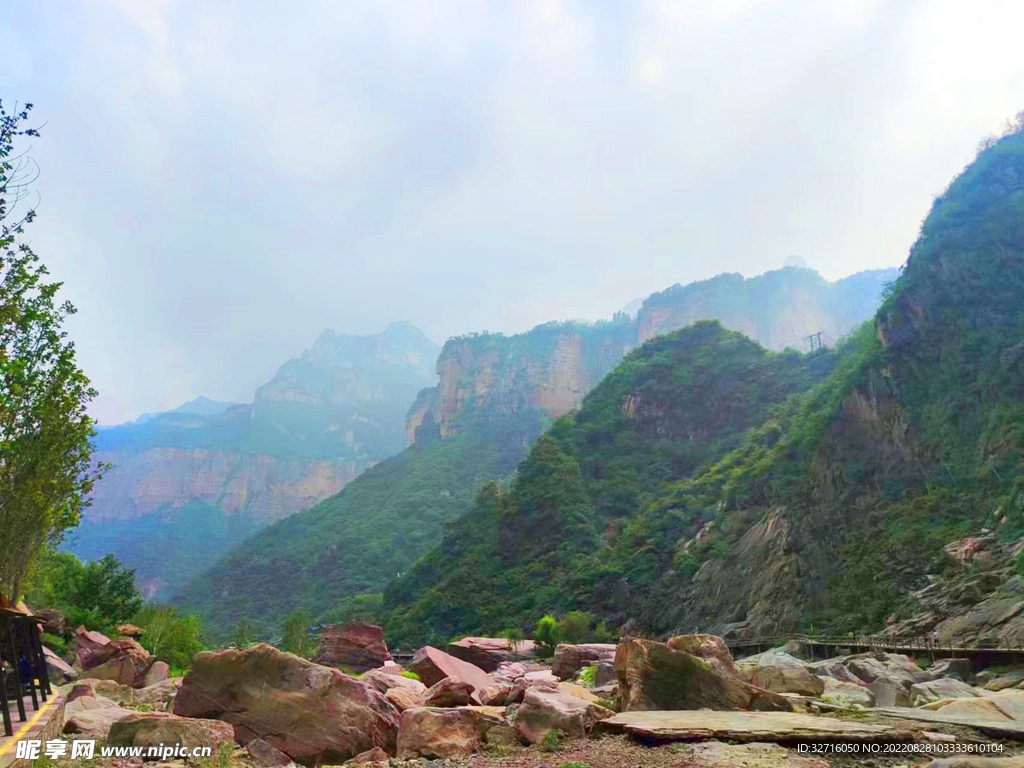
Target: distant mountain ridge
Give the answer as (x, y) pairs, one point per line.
(200, 406)
(495, 397)
(214, 472)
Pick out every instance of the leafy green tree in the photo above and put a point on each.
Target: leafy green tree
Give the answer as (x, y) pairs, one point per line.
(548, 633)
(515, 637)
(45, 434)
(295, 633)
(108, 588)
(170, 636)
(575, 626)
(242, 636)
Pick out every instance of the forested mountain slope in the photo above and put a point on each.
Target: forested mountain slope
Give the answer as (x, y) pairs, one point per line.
(669, 408)
(188, 484)
(495, 396)
(828, 514)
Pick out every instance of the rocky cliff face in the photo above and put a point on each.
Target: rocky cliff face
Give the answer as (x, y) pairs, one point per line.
(551, 368)
(548, 370)
(262, 486)
(323, 419)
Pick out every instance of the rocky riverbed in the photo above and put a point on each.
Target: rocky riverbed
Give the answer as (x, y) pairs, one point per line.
(681, 703)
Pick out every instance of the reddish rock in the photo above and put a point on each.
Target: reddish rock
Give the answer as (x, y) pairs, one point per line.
(384, 682)
(570, 659)
(54, 622)
(372, 758)
(404, 698)
(489, 652)
(59, 670)
(545, 710)
(449, 733)
(266, 756)
(357, 646)
(450, 692)
(688, 672)
(432, 666)
(154, 729)
(88, 643)
(312, 713)
(122, 660)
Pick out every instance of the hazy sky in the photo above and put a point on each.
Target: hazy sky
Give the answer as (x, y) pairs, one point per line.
(224, 179)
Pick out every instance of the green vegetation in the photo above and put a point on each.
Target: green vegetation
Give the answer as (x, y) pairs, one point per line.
(242, 635)
(551, 741)
(46, 468)
(548, 633)
(410, 675)
(295, 635)
(169, 636)
(99, 594)
(562, 536)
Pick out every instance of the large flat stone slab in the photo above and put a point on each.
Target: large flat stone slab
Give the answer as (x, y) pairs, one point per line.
(687, 725)
(990, 726)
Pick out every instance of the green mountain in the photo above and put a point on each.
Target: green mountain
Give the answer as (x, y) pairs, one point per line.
(545, 544)
(830, 510)
(496, 395)
(190, 483)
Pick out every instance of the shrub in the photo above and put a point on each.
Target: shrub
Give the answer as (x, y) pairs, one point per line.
(56, 644)
(586, 677)
(410, 675)
(514, 636)
(552, 741)
(548, 633)
(575, 626)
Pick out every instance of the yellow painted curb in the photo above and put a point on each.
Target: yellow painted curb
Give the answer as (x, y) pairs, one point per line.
(27, 726)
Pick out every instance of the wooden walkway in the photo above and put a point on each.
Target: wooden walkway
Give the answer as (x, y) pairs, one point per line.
(825, 646)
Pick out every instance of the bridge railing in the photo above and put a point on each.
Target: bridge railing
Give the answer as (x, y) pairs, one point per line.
(882, 642)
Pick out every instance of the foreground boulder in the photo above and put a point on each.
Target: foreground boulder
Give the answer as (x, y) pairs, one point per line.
(570, 659)
(357, 646)
(433, 665)
(94, 722)
(155, 729)
(87, 703)
(449, 733)
(943, 688)
(312, 713)
(743, 726)
(546, 710)
(889, 693)
(847, 695)
(489, 653)
(122, 660)
(374, 758)
(688, 672)
(1007, 704)
(788, 679)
